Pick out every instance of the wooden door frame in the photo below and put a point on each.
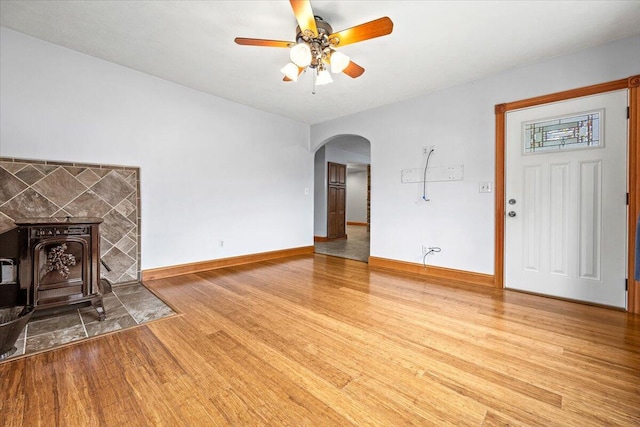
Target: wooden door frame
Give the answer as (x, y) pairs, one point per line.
(633, 159)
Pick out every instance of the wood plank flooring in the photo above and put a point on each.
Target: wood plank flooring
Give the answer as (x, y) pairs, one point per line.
(322, 341)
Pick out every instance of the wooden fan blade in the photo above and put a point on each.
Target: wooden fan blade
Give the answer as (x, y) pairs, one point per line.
(304, 16)
(262, 42)
(287, 79)
(372, 29)
(353, 70)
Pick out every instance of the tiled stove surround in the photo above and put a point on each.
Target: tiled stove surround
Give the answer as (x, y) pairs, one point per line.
(31, 189)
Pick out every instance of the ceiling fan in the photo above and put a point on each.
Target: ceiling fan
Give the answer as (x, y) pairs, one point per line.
(316, 45)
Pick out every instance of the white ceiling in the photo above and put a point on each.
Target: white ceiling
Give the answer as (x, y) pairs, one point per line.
(434, 44)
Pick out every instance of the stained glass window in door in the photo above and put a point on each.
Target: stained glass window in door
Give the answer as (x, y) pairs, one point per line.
(563, 133)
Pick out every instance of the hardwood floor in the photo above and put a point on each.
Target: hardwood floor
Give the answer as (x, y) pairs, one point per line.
(319, 341)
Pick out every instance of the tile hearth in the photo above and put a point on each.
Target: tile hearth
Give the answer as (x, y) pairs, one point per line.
(127, 306)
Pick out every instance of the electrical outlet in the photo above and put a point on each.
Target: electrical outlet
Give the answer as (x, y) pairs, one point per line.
(485, 187)
(427, 149)
(425, 249)
(221, 243)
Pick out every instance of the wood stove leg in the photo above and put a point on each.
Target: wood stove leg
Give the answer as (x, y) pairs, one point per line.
(105, 286)
(99, 306)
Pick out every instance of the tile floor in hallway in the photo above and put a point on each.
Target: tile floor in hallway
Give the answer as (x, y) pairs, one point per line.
(355, 246)
(126, 306)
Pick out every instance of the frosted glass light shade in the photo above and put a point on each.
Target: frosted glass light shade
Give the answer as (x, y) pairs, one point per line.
(339, 62)
(300, 54)
(291, 71)
(323, 78)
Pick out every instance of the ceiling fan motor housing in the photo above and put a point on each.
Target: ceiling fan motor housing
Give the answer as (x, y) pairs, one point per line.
(321, 45)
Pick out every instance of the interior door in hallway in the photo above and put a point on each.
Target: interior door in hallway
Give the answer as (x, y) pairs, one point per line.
(565, 197)
(336, 200)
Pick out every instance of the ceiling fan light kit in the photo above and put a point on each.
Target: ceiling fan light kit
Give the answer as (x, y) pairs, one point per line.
(300, 54)
(339, 62)
(323, 78)
(290, 71)
(316, 43)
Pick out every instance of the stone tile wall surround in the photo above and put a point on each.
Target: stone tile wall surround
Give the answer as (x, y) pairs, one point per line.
(37, 188)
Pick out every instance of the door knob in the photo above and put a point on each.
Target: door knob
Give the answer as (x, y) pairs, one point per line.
(511, 214)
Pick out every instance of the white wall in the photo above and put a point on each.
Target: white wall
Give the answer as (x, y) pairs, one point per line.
(460, 122)
(325, 154)
(357, 196)
(210, 169)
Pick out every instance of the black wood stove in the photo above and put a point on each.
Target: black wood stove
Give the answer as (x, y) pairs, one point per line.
(60, 262)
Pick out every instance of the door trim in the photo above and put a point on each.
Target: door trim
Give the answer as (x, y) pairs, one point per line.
(633, 159)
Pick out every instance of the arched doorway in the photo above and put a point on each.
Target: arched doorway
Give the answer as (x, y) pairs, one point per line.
(352, 155)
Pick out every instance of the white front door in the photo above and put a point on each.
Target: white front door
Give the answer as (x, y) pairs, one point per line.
(565, 229)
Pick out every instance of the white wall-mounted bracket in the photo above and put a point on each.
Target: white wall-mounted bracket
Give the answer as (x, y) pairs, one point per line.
(440, 173)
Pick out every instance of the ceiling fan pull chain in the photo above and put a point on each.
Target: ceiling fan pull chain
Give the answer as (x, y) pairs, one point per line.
(313, 90)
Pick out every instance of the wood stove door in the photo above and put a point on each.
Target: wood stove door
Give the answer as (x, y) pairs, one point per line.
(60, 273)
